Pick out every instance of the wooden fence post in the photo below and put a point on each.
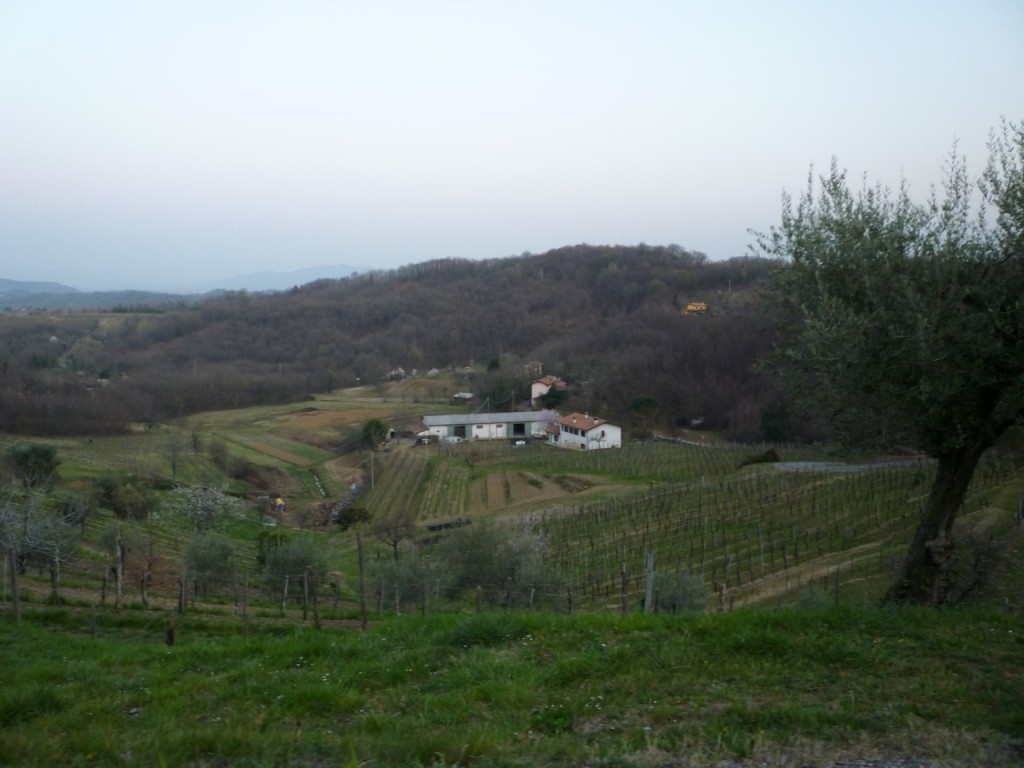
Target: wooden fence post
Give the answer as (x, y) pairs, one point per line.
(362, 582)
(649, 582)
(182, 591)
(312, 597)
(305, 593)
(624, 590)
(245, 602)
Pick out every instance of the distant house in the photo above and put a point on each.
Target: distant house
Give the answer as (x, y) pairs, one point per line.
(584, 432)
(542, 386)
(533, 368)
(488, 426)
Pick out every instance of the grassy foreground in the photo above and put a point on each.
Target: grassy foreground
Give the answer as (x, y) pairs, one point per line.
(752, 687)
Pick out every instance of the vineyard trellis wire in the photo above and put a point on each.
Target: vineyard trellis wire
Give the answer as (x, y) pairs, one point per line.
(747, 533)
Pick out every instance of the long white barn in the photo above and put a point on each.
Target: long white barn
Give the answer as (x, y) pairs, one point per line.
(490, 426)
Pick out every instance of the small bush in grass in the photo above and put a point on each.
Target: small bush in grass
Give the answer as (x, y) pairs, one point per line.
(488, 629)
(680, 590)
(551, 719)
(19, 706)
(814, 598)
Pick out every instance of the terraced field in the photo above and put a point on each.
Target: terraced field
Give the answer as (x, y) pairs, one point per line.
(752, 533)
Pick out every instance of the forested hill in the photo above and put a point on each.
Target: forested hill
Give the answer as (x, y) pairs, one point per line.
(609, 320)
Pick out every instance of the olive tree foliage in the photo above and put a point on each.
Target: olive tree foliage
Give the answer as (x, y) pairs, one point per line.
(127, 495)
(34, 464)
(506, 564)
(375, 433)
(285, 563)
(906, 324)
(210, 563)
(679, 590)
(401, 583)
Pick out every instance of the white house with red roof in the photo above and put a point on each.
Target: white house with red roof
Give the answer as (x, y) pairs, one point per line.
(542, 386)
(584, 432)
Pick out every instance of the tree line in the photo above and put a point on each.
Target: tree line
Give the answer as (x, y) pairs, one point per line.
(609, 320)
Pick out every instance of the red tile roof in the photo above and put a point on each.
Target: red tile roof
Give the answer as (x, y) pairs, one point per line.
(582, 421)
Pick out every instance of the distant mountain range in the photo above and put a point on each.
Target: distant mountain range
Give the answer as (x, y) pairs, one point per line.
(23, 294)
(276, 281)
(24, 288)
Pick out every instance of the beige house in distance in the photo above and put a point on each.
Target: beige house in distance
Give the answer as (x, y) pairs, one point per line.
(542, 386)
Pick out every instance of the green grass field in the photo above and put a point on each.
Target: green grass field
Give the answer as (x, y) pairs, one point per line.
(755, 688)
(790, 662)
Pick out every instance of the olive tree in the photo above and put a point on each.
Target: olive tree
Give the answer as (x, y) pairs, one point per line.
(53, 536)
(17, 510)
(374, 433)
(210, 563)
(34, 464)
(407, 581)
(907, 324)
(286, 562)
(393, 527)
(506, 565)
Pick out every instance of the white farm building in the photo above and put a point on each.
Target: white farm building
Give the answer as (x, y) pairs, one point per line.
(585, 432)
(489, 426)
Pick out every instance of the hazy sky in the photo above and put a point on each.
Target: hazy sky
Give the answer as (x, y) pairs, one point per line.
(154, 144)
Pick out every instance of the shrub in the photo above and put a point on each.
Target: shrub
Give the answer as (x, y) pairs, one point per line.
(408, 580)
(680, 590)
(128, 496)
(205, 507)
(210, 560)
(22, 705)
(290, 558)
(506, 564)
(488, 630)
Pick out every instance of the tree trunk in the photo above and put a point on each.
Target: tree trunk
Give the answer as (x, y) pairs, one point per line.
(15, 595)
(118, 569)
(932, 545)
(55, 578)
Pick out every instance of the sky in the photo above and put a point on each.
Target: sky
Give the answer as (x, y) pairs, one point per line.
(158, 145)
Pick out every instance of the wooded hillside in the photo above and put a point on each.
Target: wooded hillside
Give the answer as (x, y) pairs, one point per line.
(609, 320)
